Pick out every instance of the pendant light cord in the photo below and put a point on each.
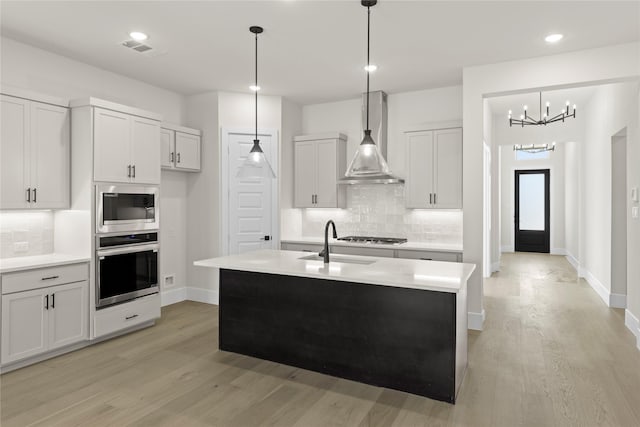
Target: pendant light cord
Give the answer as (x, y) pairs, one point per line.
(368, 69)
(256, 86)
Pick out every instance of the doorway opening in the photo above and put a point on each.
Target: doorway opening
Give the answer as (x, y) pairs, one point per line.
(532, 211)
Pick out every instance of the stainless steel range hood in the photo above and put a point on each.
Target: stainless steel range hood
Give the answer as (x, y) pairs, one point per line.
(377, 171)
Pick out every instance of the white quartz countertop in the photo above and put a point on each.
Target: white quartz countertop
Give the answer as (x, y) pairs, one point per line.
(8, 265)
(410, 246)
(404, 273)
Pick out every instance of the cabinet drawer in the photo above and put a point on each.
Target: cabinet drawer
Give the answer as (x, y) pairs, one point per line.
(348, 250)
(431, 256)
(44, 277)
(301, 247)
(123, 316)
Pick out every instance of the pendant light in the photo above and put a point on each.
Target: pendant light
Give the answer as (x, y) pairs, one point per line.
(368, 160)
(256, 164)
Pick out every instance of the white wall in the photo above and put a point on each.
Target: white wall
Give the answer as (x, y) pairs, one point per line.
(554, 71)
(572, 200)
(611, 109)
(290, 219)
(556, 164)
(28, 67)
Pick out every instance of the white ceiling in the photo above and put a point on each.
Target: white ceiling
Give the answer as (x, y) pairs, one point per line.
(313, 51)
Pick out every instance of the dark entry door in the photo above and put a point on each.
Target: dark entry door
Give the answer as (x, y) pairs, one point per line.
(532, 211)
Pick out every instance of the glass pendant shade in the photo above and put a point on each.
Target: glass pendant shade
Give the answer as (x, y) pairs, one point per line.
(368, 159)
(256, 164)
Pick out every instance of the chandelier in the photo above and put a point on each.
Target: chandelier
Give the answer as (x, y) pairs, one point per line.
(526, 120)
(533, 148)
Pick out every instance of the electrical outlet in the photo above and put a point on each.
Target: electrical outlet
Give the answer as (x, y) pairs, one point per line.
(168, 280)
(20, 247)
(634, 212)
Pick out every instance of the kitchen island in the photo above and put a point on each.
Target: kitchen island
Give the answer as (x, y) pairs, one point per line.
(394, 323)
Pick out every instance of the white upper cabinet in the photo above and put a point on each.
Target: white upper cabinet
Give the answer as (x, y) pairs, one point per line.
(180, 148)
(320, 161)
(34, 155)
(126, 147)
(434, 169)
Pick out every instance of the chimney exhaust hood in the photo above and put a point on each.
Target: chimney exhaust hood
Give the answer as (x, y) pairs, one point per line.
(369, 165)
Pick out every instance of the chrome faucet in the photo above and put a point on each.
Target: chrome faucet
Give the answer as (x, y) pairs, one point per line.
(325, 252)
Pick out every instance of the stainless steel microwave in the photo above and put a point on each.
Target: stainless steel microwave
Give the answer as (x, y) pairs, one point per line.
(125, 208)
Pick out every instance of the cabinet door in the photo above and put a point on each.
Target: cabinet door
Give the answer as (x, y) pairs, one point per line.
(167, 148)
(111, 141)
(24, 325)
(145, 150)
(187, 151)
(418, 185)
(68, 314)
(50, 156)
(447, 184)
(305, 174)
(14, 153)
(327, 171)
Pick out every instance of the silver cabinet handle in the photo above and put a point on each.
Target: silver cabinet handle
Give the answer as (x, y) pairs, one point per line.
(28, 195)
(134, 171)
(178, 157)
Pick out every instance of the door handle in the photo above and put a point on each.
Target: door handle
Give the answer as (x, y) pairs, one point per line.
(131, 317)
(128, 171)
(312, 199)
(35, 195)
(171, 157)
(134, 171)
(430, 198)
(53, 300)
(266, 238)
(178, 157)
(435, 198)
(28, 195)
(46, 303)
(50, 277)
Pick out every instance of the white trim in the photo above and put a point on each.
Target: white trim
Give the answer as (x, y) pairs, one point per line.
(475, 321)
(558, 251)
(223, 227)
(172, 296)
(317, 136)
(507, 248)
(495, 266)
(633, 324)
(451, 124)
(108, 105)
(573, 261)
(178, 128)
(207, 296)
(19, 92)
(611, 300)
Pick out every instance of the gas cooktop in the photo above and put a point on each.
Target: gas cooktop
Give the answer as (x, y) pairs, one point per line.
(370, 239)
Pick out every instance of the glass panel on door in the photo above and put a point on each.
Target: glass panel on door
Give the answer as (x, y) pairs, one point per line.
(532, 202)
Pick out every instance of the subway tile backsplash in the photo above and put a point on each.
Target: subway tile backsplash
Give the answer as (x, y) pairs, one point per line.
(378, 210)
(25, 233)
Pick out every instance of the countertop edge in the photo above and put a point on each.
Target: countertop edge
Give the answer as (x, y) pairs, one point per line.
(409, 246)
(44, 263)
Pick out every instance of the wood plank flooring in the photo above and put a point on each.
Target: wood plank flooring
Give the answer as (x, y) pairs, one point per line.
(551, 354)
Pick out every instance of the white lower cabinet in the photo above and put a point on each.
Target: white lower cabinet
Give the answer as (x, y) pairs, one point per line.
(40, 320)
(123, 316)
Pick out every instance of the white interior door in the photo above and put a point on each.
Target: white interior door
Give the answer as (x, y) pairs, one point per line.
(250, 202)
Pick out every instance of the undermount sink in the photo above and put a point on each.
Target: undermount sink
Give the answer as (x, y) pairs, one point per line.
(339, 258)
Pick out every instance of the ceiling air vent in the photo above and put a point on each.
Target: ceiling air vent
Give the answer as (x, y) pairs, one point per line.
(143, 48)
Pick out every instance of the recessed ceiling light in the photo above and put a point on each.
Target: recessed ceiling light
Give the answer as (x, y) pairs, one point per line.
(370, 68)
(254, 88)
(553, 38)
(138, 36)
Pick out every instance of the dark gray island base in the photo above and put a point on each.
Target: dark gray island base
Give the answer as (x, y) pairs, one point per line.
(400, 338)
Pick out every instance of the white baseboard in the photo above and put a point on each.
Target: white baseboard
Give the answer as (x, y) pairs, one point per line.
(573, 261)
(558, 251)
(633, 324)
(475, 321)
(495, 266)
(611, 300)
(172, 296)
(507, 248)
(207, 296)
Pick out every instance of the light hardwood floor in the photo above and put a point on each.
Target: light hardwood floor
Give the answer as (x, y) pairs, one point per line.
(551, 354)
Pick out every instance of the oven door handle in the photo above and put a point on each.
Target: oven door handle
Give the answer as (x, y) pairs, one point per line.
(128, 250)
